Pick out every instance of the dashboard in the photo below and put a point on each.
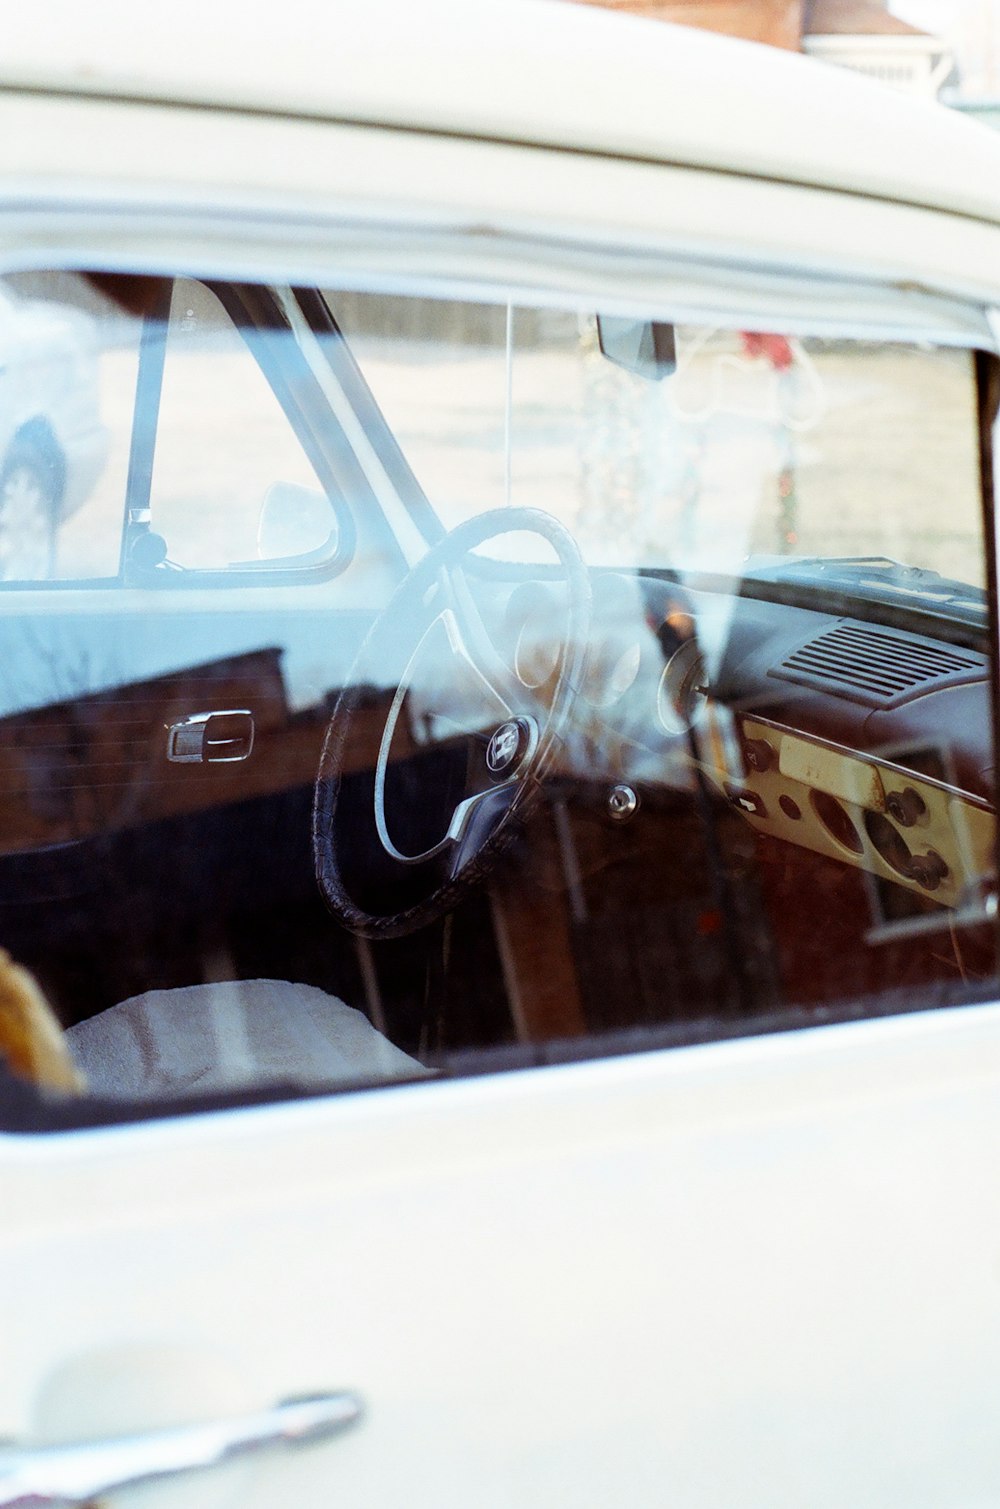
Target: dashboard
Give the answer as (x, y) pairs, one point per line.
(866, 743)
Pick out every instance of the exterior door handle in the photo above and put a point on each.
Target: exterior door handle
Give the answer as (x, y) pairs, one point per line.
(39, 1477)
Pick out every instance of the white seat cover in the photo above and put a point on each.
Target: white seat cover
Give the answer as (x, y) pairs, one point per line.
(231, 1035)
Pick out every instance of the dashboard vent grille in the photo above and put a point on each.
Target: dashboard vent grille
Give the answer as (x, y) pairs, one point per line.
(877, 667)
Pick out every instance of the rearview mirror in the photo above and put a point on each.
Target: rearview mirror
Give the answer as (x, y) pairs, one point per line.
(646, 347)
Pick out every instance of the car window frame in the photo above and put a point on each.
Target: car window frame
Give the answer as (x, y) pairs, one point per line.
(38, 1115)
(252, 312)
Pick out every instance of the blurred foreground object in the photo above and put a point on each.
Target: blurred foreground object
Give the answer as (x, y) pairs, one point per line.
(31, 1039)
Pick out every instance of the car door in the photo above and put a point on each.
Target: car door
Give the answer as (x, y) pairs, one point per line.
(674, 1186)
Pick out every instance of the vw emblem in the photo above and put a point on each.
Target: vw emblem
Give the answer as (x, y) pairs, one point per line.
(504, 747)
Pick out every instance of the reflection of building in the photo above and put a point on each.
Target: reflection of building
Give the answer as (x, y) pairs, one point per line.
(98, 762)
(858, 34)
(95, 764)
(861, 34)
(779, 22)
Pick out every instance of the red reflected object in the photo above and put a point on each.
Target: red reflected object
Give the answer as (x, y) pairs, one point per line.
(775, 348)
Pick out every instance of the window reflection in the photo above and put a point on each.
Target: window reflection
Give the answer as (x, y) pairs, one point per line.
(644, 703)
(67, 395)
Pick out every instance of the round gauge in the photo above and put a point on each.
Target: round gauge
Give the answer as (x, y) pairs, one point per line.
(682, 691)
(536, 654)
(616, 647)
(613, 672)
(535, 625)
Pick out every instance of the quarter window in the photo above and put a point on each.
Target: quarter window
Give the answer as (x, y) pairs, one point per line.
(223, 440)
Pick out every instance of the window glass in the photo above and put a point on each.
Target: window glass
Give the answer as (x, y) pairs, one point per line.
(651, 703)
(223, 441)
(752, 444)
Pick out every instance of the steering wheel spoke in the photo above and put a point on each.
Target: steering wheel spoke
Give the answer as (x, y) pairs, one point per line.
(474, 822)
(502, 692)
(473, 641)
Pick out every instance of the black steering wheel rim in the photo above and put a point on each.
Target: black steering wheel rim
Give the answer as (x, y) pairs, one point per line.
(424, 578)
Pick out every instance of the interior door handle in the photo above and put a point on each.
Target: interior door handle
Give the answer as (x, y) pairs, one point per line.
(35, 1477)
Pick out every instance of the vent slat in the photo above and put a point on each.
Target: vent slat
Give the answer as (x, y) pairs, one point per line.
(852, 673)
(914, 654)
(932, 665)
(823, 655)
(874, 664)
(838, 664)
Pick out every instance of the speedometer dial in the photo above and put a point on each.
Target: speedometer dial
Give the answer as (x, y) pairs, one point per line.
(613, 672)
(535, 627)
(616, 647)
(682, 691)
(536, 654)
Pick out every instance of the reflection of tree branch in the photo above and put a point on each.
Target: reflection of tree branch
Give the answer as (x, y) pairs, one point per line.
(65, 682)
(61, 777)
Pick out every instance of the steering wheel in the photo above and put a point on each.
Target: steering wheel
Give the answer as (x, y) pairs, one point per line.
(479, 734)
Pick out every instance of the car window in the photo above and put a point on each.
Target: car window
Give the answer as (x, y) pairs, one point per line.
(223, 443)
(753, 444)
(484, 686)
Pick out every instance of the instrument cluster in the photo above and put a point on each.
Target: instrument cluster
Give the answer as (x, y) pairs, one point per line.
(643, 653)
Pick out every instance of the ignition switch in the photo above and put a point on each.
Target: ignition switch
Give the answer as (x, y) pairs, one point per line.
(623, 803)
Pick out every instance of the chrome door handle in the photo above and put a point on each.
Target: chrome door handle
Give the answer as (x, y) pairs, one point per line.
(35, 1478)
(219, 738)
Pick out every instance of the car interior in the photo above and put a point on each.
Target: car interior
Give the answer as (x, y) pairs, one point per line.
(411, 686)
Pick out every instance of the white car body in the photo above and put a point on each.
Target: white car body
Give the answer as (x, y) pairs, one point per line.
(760, 1272)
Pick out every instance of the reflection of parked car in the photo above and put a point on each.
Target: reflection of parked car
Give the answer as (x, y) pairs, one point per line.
(507, 824)
(52, 442)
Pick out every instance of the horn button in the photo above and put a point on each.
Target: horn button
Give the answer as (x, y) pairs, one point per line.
(509, 743)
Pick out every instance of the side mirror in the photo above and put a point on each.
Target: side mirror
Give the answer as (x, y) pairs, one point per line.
(297, 527)
(646, 347)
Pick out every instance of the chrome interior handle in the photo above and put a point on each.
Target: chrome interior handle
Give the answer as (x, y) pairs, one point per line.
(38, 1477)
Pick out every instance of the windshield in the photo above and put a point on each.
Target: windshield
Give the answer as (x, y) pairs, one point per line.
(753, 446)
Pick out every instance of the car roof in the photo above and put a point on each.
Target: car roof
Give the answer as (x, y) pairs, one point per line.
(541, 72)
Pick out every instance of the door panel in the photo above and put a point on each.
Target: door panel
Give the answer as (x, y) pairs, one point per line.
(762, 1272)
